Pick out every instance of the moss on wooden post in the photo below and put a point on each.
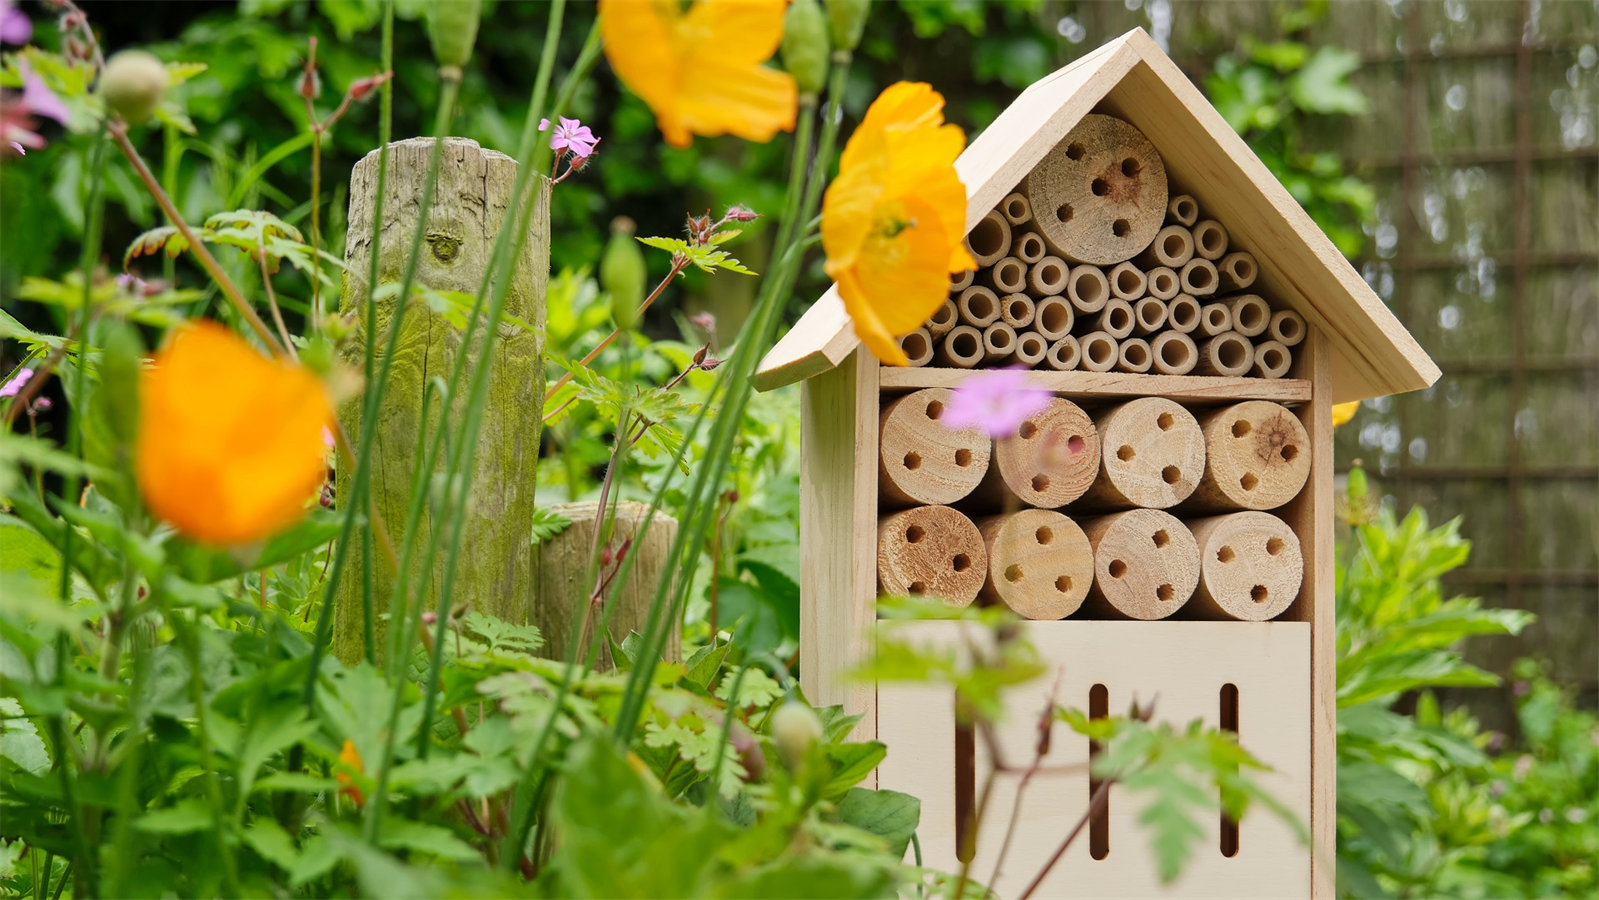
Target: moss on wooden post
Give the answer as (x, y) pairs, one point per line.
(470, 205)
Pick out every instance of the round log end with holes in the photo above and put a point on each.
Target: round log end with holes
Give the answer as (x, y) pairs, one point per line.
(1251, 315)
(918, 347)
(1198, 278)
(920, 460)
(1128, 282)
(1210, 240)
(1173, 247)
(1228, 353)
(1064, 355)
(1040, 564)
(1049, 276)
(960, 281)
(1098, 352)
(943, 319)
(962, 348)
(1016, 208)
(1149, 316)
(1146, 564)
(1237, 270)
(1053, 318)
(1008, 276)
(1017, 310)
(989, 239)
(1174, 353)
(1287, 327)
(1088, 289)
(1049, 462)
(1272, 359)
(1214, 319)
(978, 306)
(1153, 455)
(1182, 210)
(1031, 348)
(999, 342)
(1250, 567)
(931, 551)
(1133, 355)
(1100, 195)
(1164, 283)
(1116, 319)
(1257, 457)
(1183, 314)
(1029, 247)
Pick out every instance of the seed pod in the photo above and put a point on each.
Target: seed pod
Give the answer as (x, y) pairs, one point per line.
(133, 84)
(805, 45)
(622, 272)
(847, 20)
(452, 29)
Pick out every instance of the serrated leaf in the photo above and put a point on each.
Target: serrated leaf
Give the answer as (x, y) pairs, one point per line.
(166, 238)
(19, 737)
(756, 689)
(179, 72)
(547, 523)
(274, 845)
(704, 256)
(184, 817)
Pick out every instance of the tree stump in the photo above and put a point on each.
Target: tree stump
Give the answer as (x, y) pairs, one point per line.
(471, 204)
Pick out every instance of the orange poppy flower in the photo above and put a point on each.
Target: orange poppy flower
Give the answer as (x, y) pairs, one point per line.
(1343, 412)
(230, 442)
(701, 70)
(351, 757)
(893, 219)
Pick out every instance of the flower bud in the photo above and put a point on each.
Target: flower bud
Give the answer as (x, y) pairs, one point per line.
(847, 21)
(795, 727)
(133, 85)
(805, 45)
(452, 29)
(623, 272)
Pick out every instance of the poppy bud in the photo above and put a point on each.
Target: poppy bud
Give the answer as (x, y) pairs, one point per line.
(133, 85)
(795, 727)
(805, 45)
(847, 20)
(1357, 489)
(452, 29)
(623, 271)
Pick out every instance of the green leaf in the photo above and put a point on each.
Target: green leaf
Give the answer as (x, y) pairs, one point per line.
(704, 256)
(547, 523)
(164, 239)
(890, 815)
(184, 817)
(757, 689)
(296, 783)
(207, 565)
(19, 737)
(703, 665)
(1322, 86)
(274, 845)
(850, 764)
(403, 834)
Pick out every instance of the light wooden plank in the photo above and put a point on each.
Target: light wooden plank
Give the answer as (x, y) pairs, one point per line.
(838, 535)
(820, 340)
(1088, 385)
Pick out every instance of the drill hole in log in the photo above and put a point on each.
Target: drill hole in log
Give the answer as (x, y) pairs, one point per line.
(1161, 538)
(935, 409)
(1045, 534)
(1226, 554)
(1126, 453)
(1259, 593)
(987, 237)
(1165, 421)
(1013, 573)
(1241, 428)
(1099, 187)
(1249, 481)
(916, 587)
(1028, 431)
(1166, 593)
(1171, 474)
(1074, 151)
(1064, 584)
(1075, 444)
(1130, 167)
(961, 562)
(1274, 546)
(963, 457)
(1117, 568)
(1040, 483)
(1120, 227)
(1288, 452)
(914, 534)
(1064, 213)
(913, 460)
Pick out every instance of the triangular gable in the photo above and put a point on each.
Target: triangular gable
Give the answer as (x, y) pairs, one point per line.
(1131, 78)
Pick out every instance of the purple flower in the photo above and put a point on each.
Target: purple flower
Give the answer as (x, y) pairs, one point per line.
(10, 388)
(996, 401)
(571, 136)
(42, 404)
(14, 25)
(39, 100)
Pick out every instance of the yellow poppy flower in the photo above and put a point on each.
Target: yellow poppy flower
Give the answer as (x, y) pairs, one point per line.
(230, 442)
(1343, 412)
(893, 219)
(701, 69)
(350, 757)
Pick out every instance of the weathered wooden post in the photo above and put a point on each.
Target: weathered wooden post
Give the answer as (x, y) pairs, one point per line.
(471, 204)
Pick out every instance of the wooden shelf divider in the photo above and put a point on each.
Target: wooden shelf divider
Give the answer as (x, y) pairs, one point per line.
(1079, 385)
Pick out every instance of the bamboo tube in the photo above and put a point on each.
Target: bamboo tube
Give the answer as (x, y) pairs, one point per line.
(1040, 564)
(1049, 462)
(1251, 315)
(1098, 352)
(1272, 359)
(1210, 240)
(1228, 353)
(999, 342)
(1214, 319)
(1250, 567)
(989, 239)
(1164, 283)
(1183, 314)
(1049, 276)
(1287, 328)
(1116, 319)
(1016, 209)
(1173, 247)
(1174, 353)
(1198, 278)
(978, 306)
(1182, 210)
(1053, 318)
(1257, 457)
(960, 281)
(931, 551)
(1154, 455)
(1008, 276)
(1149, 316)
(920, 459)
(1099, 195)
(1128, 282)
(1031, 348)
(943, 319)
(1064, 355)
(1237, 270)
(1133, 355)
(1017, 310)
(1029, 247)
(1088, 289)
(962, 348)
(1146, 565)
(917, 347)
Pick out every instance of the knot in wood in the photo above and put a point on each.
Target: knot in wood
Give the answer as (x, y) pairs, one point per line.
(445, 247)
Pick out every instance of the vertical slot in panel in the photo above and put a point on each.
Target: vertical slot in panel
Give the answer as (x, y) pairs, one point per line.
(965, 790)
(1099, 820)
(1229, 722)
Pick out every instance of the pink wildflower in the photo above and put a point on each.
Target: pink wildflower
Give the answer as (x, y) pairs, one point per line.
(996, 401)
(38, 98)
(12, 387)
(17, 126)
(327, 438)
(571, 136)
(14, 25)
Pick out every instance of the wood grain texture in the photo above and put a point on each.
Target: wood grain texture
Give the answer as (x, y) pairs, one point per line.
(1257, 456)
(1099, 196)
(921, 461)
(1040, 564)
(472, 203)
(1048, 463)
(1146, 565)
(1153, 455)
(1116, 385)
(1250, 567)
(931, 551)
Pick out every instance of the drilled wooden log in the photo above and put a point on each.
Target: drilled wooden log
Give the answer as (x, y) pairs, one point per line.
(1146, 565)
(1198, 278)
(1182, 210)
(999, 342)
(920, 459)
(1183, 314)
(989, 239)
(1164, 283)
(1174, 353)
(917, 347)
(962, 348)
(1048, 277)
(1237, 270)
(1098, 351)
(1048, 463)
(1116, 319)
(1088, 289)
(1100, 194)
(1031, 348)
(1040, 564)
(565, 582)
(1053, 318)
(943, 319)
(1250, 567)
(472, 203)
(1272, 360)
(1228, 353)
(1008, 275)
(1016, 209)
(1149, 316)
(978, 306)
(1250, 314)
(1287, 327)
(1210, 240)
(1017, 310)
(1064, 355)
(1214, 319)
(1133, 355)
(1153, 455)
(1257, 456)
(1029, 247)
(931, 551)
(1128, 282)
(1172, 247)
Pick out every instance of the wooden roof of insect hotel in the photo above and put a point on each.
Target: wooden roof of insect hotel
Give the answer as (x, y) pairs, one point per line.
(1132, 79)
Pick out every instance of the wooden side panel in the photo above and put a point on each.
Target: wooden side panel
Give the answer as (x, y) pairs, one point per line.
(1311, 517)
(1186, 664)
(838, 535)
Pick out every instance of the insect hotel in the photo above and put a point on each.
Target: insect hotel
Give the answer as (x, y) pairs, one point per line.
(1163, 526)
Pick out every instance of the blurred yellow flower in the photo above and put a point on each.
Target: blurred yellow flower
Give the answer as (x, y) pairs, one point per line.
(351, 758)
(893, 219)
(230, 442)
(701, 69)
(1343, 412)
